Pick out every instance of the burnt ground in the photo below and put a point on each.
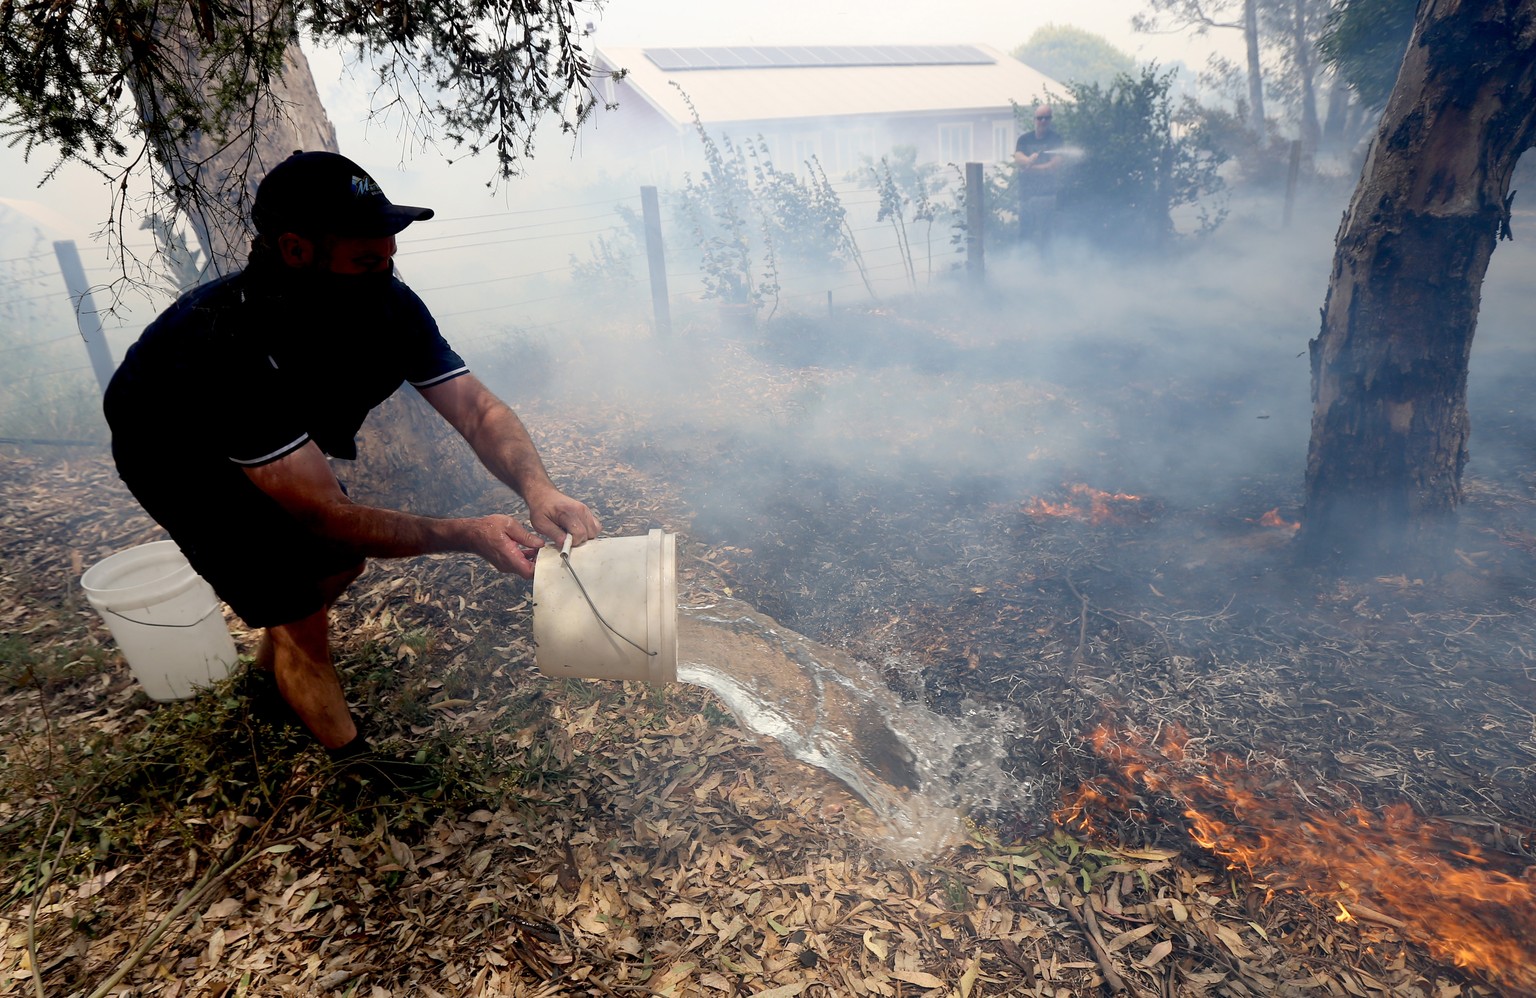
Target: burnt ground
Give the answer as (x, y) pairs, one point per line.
(1175, 604)
(1181, 605)
(1229, 751)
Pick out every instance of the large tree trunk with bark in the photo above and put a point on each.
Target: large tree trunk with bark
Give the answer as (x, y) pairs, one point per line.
(213, 170)
(1311, 131)
(1389, 367)
(1255, 71)
(408, 457)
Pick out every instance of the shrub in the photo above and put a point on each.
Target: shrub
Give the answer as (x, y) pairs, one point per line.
(1134, 168)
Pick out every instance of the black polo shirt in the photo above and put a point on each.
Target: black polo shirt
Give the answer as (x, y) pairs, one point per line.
(238, 373)
(248, 368)
(1033, 183)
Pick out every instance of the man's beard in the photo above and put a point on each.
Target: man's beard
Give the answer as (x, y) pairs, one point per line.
(322, 286)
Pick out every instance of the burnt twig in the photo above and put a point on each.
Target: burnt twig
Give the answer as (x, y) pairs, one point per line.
(1082, 913)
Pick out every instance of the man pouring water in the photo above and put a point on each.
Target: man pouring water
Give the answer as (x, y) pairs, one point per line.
(225, 410)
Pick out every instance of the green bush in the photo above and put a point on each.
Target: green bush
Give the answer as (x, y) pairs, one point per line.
(1138, 162)
(749, 218)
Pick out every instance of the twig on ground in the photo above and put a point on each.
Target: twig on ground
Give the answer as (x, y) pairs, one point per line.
(1078, 907)
(215, 874)
(45, 868)
(1082, 625)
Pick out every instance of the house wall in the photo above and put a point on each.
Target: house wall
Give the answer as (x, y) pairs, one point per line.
(646, 141)
(845, 145)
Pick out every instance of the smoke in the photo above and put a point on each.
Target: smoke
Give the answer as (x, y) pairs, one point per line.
(853, 443)
(1167, 376)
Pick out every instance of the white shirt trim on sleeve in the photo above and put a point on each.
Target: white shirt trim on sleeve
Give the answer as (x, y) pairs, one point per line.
(287, 448)
(441, 377)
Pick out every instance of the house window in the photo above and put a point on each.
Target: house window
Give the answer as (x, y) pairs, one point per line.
(1003, 141)
(854, 146)
(806, 147)
(955, 143)
(774, 149)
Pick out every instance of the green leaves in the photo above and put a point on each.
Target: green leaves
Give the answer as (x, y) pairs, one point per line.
(1072, 55)
(1364, 41)
(1134, 171)
(86, 75)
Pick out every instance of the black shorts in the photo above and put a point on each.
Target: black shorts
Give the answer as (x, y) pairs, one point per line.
(265, 564)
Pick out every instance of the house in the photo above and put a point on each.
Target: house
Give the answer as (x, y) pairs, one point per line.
(842, 104)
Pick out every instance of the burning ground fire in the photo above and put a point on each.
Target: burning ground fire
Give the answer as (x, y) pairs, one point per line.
(1418, 876)
(1274, 519)
(1084, 503)
(1087, 504)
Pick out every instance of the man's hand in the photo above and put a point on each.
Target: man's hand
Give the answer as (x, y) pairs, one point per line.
(505, 543)
(503, 445)
(556, 514)
(512, 547)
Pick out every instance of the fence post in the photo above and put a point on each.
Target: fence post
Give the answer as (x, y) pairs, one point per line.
(975, 214)
(86, 316)
(656, 260)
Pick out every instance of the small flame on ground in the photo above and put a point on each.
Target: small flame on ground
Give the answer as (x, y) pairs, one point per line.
(1274, 519)
(1440, 886)
(1088, 504)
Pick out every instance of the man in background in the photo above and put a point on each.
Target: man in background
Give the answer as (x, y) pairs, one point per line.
(1037, 157)
(225, 411)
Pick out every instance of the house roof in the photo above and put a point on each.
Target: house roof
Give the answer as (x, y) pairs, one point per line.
(767, 83)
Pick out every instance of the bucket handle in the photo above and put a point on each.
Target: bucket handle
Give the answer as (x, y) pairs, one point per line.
(151, 623)
(565, 558)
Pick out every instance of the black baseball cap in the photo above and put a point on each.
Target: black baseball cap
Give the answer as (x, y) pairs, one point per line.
(325, 193)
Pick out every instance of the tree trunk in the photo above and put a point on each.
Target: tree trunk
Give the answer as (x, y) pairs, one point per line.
(1389, 367)
(1311, 131)
(213, 174)
(408, 457)
(1337, 114)
(1255, 73)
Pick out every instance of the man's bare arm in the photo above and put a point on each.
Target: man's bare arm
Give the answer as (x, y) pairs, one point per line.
(501, 442)
(302, 483)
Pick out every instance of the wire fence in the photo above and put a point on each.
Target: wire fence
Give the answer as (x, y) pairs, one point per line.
(546, 271)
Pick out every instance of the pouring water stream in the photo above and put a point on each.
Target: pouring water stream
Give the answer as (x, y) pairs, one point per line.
(919, 772)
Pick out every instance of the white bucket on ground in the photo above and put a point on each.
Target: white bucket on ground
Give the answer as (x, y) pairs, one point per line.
(608, 609)
(164, 617)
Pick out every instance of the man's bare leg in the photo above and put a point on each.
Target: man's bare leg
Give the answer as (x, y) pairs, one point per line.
(301, 658)
(263, 660)
(334, 586)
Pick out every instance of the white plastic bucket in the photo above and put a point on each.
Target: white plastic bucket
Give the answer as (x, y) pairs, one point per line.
(164, 617)
(608, 609)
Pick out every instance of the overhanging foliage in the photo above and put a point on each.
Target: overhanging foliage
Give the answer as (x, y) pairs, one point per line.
(1363, 41)
(481, 73)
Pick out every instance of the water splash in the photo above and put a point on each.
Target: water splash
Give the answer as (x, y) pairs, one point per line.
(920, 773)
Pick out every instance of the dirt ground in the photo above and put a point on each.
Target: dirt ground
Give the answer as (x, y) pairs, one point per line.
(1248, 781)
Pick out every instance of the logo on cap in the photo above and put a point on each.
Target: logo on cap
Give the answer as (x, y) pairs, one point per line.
(365, 186)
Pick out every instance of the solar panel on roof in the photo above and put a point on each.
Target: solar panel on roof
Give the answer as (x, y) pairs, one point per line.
(799, 56)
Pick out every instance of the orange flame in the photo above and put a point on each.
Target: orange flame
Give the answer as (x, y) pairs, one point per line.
(1087, 504)
(1415, 874)
(1274, 519)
